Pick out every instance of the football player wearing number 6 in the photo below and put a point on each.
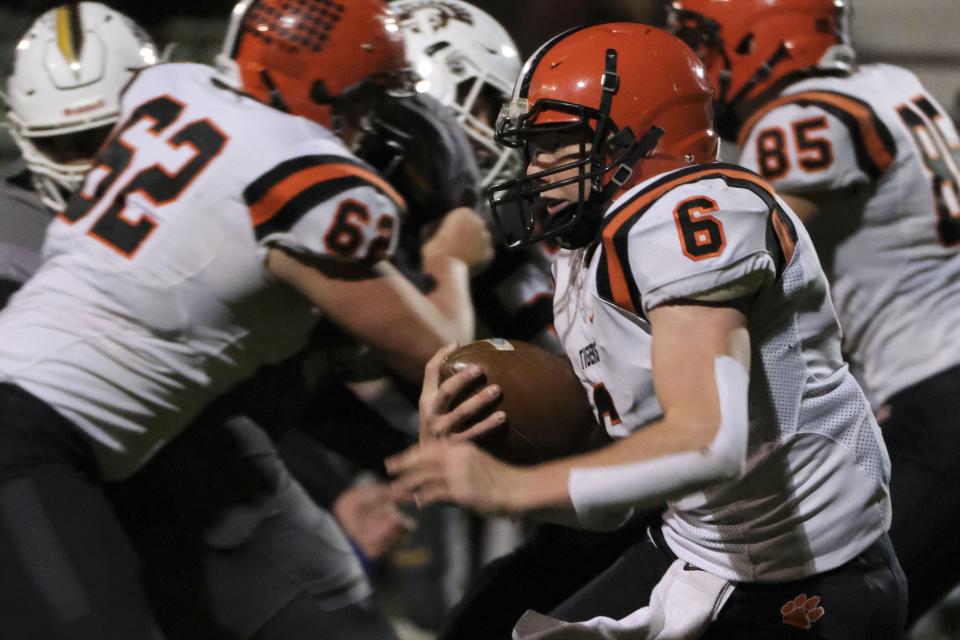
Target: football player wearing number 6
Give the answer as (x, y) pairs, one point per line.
(767, 453)
(871, 163)
(223, 215)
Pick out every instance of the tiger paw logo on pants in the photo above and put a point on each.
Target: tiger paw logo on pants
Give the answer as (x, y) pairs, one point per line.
(802, 612)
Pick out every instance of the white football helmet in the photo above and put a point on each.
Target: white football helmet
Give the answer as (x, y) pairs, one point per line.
(467, 60)
(63, 94)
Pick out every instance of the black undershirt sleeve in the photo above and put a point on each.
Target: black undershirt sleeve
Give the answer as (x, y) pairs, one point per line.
(7, 289)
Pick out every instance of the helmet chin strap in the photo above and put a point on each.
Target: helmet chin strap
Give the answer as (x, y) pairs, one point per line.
(591, 211)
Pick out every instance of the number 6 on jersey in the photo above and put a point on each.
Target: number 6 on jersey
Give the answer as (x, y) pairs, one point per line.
(701, 235)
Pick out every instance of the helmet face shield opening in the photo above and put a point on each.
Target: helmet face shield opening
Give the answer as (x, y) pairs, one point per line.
(517, 205)
(355, 109)
(73, 148)
(367, 94)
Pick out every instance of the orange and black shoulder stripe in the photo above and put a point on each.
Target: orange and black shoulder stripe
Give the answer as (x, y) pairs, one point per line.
(873, 143)
(283, 195)
(615, 280)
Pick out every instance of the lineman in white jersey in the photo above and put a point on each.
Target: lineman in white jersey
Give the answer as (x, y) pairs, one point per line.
(870, 162)
(194, 253)
(768, 454)
(281, 550)
(197, 278)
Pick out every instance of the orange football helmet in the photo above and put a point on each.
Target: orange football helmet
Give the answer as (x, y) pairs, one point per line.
(641, 102)
(750, 46)
(307, 56)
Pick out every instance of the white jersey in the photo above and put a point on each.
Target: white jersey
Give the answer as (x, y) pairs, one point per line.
(154, 297)
(880, 138)
(815, 491)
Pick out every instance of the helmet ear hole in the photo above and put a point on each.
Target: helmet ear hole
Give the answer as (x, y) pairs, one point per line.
(745, 46)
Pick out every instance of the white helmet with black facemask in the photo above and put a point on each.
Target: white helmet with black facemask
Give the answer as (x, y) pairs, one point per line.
(467, 60)
(63, 94)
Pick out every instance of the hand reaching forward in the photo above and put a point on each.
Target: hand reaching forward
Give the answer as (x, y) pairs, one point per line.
(456, 471)
(369, 515)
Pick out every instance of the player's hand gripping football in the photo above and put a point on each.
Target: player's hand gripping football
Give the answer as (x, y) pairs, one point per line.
(462, 235)
(443, 415)
(447, 470)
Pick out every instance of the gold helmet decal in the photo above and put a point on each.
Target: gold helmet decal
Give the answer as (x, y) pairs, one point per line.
(70, 32)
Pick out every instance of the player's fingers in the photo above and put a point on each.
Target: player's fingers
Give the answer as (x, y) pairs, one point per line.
(432, 494)
(464, 412)
(410, 483)
(422, 456)
(403, 461)
(402, 496)
(376, 496)
(431, 373)
(452, 387)
(486, 425)
(404, 522)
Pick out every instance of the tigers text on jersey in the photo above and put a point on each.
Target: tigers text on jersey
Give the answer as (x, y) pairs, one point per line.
(815, 491)
(154, 297)
(891, 251)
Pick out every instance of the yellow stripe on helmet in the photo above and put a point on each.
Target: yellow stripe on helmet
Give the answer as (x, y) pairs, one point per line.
(69, 32)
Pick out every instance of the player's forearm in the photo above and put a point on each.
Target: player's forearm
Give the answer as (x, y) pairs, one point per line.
(375, 304)
(665, 460)
(451, 296)
(547, 487)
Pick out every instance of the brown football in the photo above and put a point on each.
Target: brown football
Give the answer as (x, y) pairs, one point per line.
(548, 414)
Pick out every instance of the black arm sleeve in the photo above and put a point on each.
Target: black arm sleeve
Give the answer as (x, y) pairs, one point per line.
(340, 421)
(7, 289)
(322, 474)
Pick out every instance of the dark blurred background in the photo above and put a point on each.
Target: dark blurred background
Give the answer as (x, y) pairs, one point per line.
(196, 27)
(919, 34)
(530, 21)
